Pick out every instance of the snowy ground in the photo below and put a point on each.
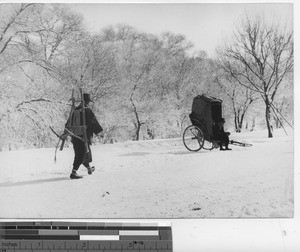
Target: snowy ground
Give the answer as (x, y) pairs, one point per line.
(153, 179)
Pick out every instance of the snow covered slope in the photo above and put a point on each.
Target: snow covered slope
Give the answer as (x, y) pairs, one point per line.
(153, 179)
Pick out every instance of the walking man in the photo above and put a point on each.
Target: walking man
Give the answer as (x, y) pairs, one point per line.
(82, 150)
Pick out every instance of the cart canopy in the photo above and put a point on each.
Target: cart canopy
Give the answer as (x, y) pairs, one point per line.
(205, 111)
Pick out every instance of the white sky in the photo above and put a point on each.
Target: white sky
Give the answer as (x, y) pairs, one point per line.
(204, 24)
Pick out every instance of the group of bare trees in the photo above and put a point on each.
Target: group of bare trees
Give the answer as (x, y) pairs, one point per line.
(260, 58)
(33, 38)
(142, 84)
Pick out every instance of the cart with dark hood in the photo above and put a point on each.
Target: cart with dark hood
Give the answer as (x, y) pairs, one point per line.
(205, 111)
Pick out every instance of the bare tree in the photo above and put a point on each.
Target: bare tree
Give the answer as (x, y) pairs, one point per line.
(138, 54)
(259, 58)
(13, 26)
(239, 96)
(33, 39)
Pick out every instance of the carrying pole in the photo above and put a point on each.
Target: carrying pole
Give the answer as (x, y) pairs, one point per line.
(63, 136)
(84, 121)
(69, 121)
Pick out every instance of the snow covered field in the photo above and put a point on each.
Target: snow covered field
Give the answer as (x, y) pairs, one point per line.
(153, 179)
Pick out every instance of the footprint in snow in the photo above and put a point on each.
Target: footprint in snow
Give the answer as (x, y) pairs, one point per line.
(104, 194)
(196, 209)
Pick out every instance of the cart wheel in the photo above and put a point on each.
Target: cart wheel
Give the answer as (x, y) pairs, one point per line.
(193, 138)
(208, 145)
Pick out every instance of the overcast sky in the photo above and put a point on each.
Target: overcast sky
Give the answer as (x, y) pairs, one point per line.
(205, 25)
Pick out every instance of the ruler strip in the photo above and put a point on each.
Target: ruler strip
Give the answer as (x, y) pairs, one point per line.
(85, 237)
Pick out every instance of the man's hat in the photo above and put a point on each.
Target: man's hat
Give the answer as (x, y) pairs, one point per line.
(87, 98)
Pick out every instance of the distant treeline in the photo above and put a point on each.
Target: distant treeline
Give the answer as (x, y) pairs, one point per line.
(142, 84)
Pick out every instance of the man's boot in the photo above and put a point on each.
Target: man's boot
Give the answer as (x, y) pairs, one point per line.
(91, 170)
(74, 175)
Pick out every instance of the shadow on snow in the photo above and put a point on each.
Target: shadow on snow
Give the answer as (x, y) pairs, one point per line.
(32, 182)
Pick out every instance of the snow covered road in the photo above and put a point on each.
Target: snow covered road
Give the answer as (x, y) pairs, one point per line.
(153, 179)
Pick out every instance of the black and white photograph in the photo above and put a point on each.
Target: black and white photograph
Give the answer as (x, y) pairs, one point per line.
(147, 110)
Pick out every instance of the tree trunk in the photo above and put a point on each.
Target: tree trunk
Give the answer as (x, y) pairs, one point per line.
(253, 124)
(240, 125)
(138, 123)
(277, 122)
(268, 117)
(150, 133)
(236, 121)
(241, 121)
(137, 132)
